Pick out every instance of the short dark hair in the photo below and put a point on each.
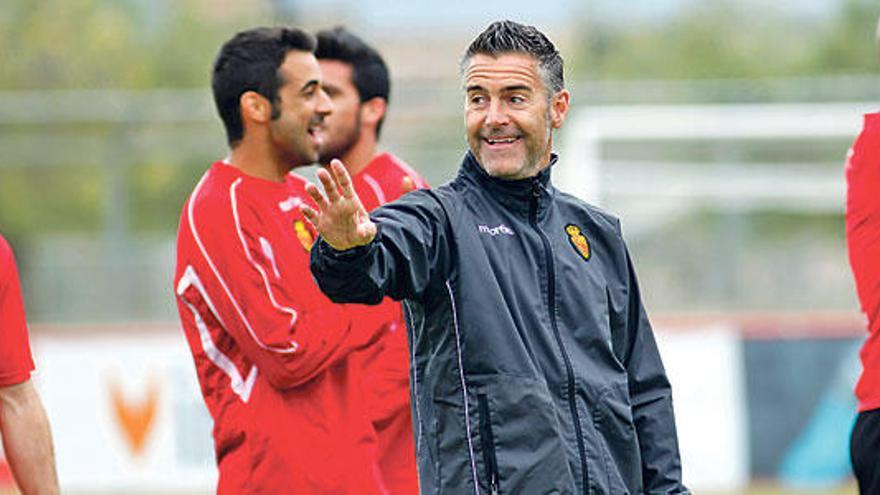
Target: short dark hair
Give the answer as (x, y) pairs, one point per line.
(369, 74)
(512, 37)
(249, 61)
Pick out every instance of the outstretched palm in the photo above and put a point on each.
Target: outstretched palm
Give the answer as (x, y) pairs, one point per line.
(341, 218)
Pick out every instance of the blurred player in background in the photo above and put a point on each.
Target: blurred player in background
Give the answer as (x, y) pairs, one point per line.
(271, 352)
(27, 439)
(357, 81)
(863, 245)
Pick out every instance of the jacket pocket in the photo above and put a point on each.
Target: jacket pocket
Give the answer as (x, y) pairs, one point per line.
(612, 419)
(487, 442)
(508, 426)
(521, 442)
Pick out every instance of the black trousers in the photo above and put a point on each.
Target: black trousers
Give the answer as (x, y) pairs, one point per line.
(864, 451)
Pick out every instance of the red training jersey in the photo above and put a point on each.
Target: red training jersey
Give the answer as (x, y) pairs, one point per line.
(863, 245)
(386, 364)
(381, 180)
(16, 362)
(270, 350)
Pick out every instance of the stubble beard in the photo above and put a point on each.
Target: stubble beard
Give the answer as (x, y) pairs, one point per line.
(337, 148)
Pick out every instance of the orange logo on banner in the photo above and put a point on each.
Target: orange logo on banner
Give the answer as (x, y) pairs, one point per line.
(578, 240)
(303, 234)
(135, 418)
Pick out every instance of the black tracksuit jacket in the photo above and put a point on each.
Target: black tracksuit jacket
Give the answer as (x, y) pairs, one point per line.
(533, 366)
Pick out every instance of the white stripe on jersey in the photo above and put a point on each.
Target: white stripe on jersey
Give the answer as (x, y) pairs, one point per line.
(241, 388)
(247, 253)
(192, 225)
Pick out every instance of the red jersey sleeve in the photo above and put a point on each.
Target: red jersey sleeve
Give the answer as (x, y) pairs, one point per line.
(863, 216)
(382, 180)
(250, 271)
(16, 362)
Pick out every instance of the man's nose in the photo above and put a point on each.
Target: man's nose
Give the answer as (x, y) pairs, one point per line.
(496, 115)
(325, 105)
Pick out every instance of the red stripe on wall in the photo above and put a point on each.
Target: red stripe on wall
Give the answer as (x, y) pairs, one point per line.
(769, 325)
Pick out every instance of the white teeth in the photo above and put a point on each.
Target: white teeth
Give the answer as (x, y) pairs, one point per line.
(496, 141)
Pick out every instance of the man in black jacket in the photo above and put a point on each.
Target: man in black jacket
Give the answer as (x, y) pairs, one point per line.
(534, 366)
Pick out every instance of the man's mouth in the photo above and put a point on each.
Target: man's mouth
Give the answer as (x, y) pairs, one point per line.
(314, 130)
(500, 142)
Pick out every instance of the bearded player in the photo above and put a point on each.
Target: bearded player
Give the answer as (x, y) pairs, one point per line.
(357, 81)
(273, 355)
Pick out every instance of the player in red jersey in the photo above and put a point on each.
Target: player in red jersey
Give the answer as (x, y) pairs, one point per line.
(356, 79)
(271, 352)
(27, 439)
(863, 244)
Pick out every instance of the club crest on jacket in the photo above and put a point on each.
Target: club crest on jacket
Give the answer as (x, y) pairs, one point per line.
(578, 240)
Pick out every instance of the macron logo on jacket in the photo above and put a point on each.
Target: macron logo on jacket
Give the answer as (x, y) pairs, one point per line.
(493, 231)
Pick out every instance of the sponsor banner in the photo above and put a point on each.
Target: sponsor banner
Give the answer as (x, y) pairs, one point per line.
(125, 410)
(801, 407)
(758, 397)
(704, 365)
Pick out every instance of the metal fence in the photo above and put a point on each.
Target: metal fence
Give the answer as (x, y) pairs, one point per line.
(722, 210)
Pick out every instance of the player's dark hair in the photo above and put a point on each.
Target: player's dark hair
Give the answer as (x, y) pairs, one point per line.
(512, 37)
(249, 61)
(369, 74)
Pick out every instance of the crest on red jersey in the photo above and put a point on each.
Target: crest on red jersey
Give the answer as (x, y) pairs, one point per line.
(302, 233)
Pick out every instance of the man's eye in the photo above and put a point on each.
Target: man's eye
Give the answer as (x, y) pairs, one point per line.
(517, 99)
(477, 99)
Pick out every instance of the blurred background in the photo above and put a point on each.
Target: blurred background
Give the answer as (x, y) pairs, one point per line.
(716, 130)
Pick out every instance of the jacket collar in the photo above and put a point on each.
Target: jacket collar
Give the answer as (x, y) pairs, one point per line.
(515, 194)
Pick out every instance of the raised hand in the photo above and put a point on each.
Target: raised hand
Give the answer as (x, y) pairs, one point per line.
(341, 218)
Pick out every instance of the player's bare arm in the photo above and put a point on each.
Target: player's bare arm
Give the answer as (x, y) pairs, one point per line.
(27, 439)
(341, 218)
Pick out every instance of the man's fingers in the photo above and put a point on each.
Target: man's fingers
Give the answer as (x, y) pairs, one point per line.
(345, 185)
(310, 214)
(316, 195)
(342, 178)
(329, 183)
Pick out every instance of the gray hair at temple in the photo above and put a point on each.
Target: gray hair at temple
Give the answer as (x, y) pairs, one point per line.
(512, 37)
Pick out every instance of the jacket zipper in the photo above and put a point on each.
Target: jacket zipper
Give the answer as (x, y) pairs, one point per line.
(551, 305)
(488, 442)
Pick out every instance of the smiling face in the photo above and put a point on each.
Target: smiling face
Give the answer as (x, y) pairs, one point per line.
(299, 110)
(509, 116)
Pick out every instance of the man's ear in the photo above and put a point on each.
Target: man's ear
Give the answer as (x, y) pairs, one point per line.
(559, 105)
(255, 107)
(372, 111)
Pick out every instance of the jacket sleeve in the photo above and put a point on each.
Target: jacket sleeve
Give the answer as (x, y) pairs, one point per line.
(410, 252)
(649, 389)
(266, 300)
